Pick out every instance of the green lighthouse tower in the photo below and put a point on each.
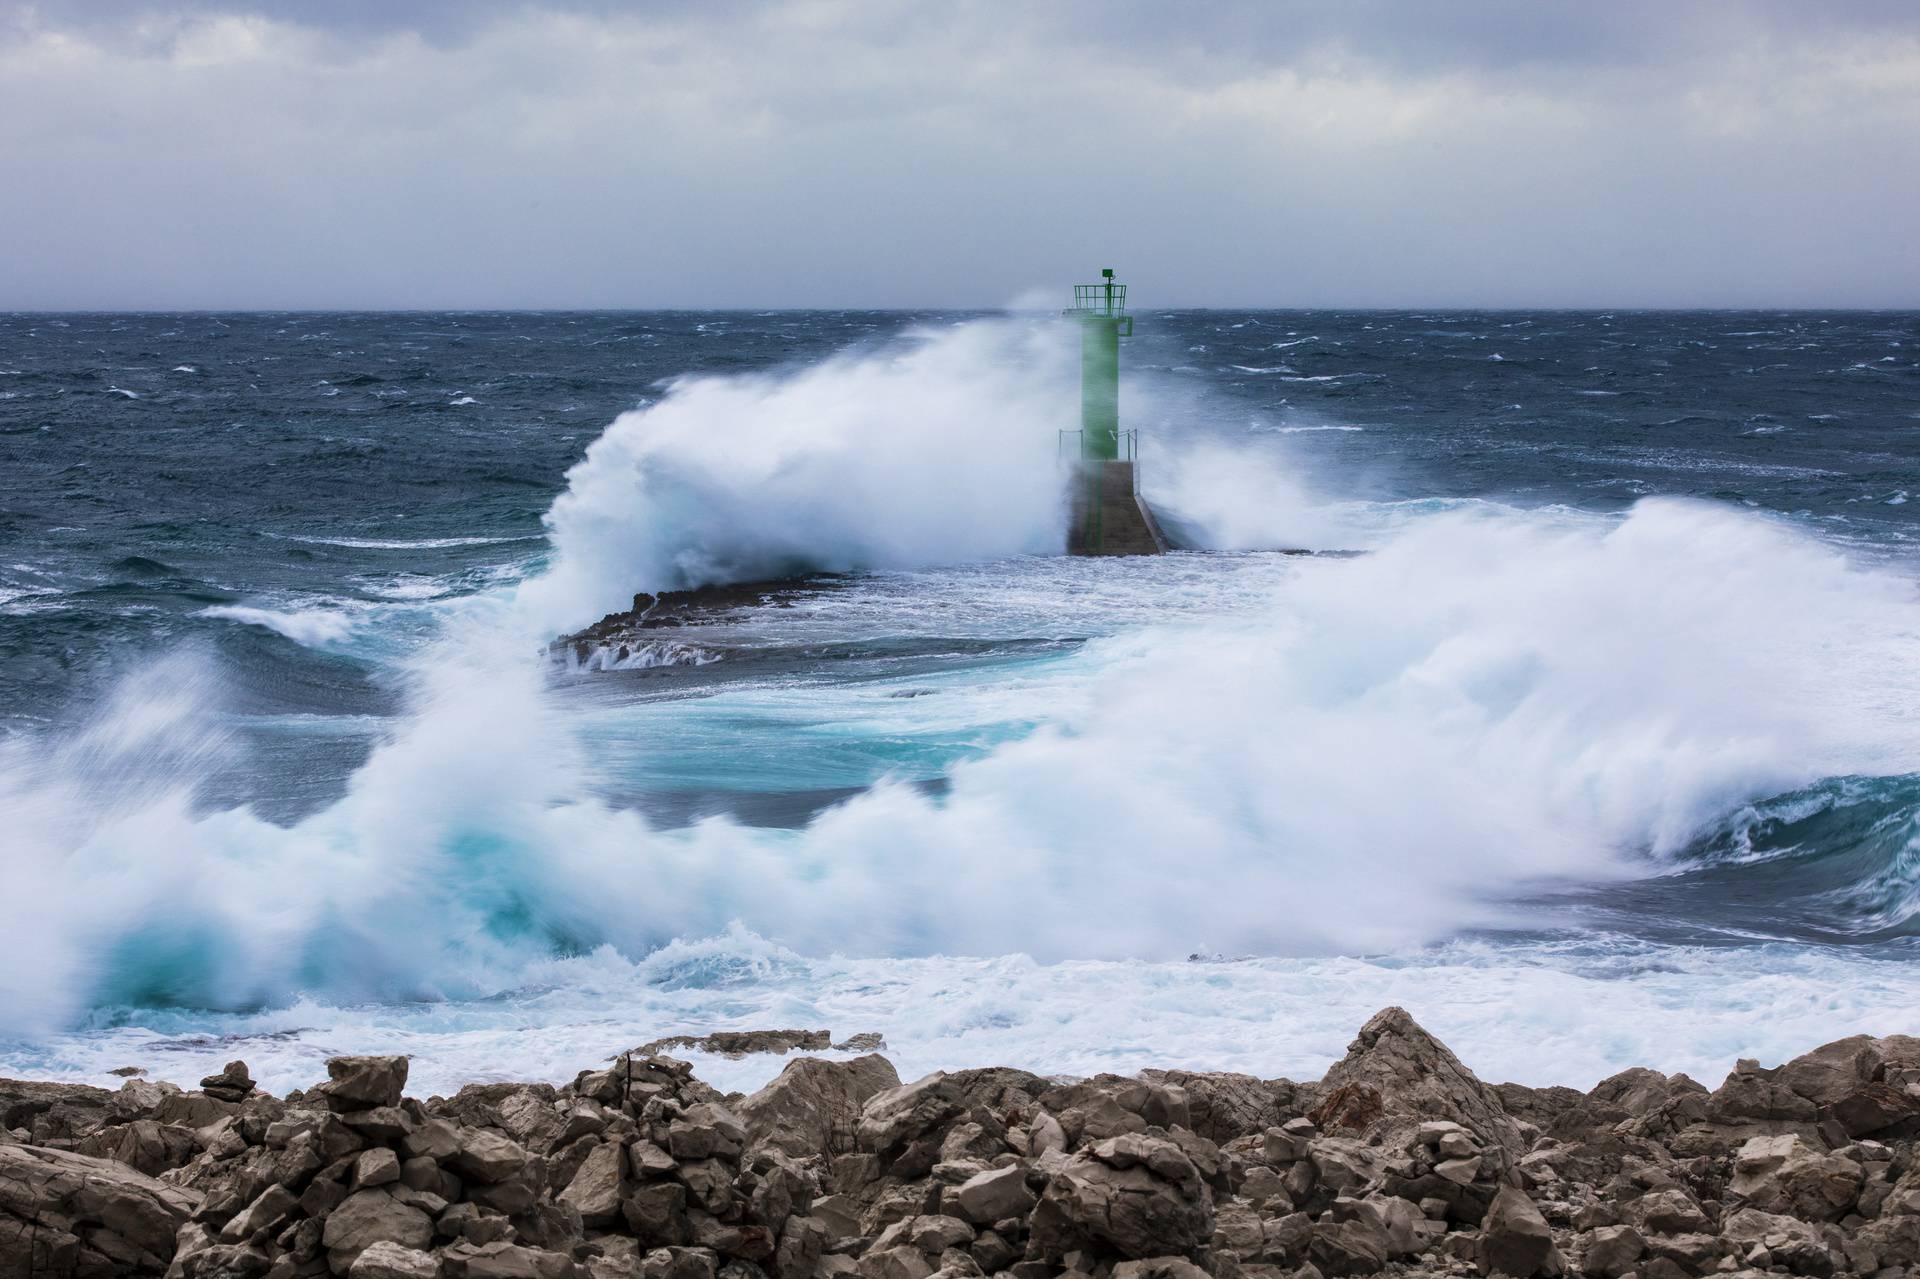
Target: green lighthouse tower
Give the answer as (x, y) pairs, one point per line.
(1108, 516)
(1102, 312)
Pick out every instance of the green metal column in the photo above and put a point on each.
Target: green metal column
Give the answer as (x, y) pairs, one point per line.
(1101, 310)
(1099, 388)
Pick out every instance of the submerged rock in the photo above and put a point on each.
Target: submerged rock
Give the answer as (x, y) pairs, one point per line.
(741, 1043)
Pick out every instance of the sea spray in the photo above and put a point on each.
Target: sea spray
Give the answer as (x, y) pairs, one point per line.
(939, 449)
(1403, 742)
(1224, 496)
(1382, 754)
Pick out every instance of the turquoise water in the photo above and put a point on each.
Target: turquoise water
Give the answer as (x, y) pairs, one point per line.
(1614, 712)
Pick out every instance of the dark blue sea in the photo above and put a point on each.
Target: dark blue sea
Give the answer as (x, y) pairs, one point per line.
(1555, 675)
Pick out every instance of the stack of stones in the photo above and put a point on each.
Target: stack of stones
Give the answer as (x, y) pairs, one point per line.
(1399, 1162)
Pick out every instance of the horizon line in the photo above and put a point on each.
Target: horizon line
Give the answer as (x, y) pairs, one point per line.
(1483, 309)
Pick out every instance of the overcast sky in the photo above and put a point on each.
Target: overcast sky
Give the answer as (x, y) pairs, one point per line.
(481, 153)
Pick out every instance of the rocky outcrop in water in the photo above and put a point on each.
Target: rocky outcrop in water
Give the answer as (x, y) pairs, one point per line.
(618, 637)
(1400, 1162)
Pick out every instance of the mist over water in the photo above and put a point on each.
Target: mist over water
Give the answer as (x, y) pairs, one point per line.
(1575, 738)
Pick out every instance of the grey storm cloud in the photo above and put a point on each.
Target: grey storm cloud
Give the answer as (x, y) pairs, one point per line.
(885, 152)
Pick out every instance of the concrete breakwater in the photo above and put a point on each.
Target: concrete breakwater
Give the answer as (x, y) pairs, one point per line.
(1399, 1161)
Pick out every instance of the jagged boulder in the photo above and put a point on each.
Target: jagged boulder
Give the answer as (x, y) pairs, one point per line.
(234, 1083)
(1134, 1196)
(1223, 1106)
(1608, 1252)
(1847, 1082)
(994, 1195)
(1639, 1091)
(1009, 1095)
(594, 1191)
(1749, 1103)
(144, 1144)
(1516, 1239)
(1159, 1268)
(1448, 1167)
(1360, 1236)
(1538, 1108)
(66, 1214)
(485, 1156)
(56, 1114)
(1785, 1174)
(367, 1217)
(903, 1119)
(1109, 1105)
(705, 1130)
(1395, 1076)
(391, 1261)
(503, 1260)
(359, 1083)
(813, 1107)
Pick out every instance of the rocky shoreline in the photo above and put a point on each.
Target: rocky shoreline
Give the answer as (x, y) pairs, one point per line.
(1399, 1161)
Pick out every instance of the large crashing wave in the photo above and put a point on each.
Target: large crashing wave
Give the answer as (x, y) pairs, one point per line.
(1397, 747)
(938, 450)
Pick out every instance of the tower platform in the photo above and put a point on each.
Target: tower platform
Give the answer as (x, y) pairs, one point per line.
(1108, 517)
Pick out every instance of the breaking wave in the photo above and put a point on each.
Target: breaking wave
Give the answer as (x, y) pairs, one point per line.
(313, 627)
(939, 450)
(1398, 747)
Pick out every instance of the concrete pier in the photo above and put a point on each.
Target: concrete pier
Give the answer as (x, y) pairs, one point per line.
(1107, 516)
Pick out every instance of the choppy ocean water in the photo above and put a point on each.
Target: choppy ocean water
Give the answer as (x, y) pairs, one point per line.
(1603, 751)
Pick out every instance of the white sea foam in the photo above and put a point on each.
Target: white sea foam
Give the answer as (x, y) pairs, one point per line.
(940, 450)
(1538, 1015)
(641, 657)
(1237, 500)
(313, 627)
(1484, 703)
(410, 587)
(1373, 758)
(407, 544)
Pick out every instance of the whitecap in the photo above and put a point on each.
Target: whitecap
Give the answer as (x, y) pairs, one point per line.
(309, 627)
(405, 544)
